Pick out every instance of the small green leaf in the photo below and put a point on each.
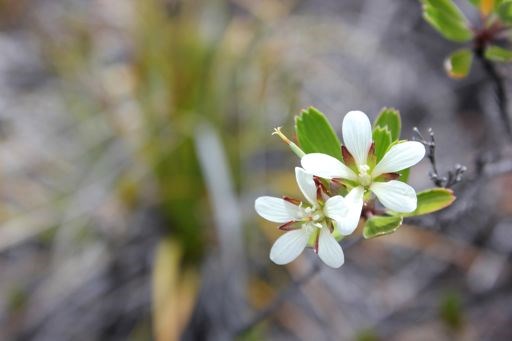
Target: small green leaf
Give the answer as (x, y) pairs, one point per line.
(382, 140)
(380, 225)
(315, 133)
(449, 27)
(448, 7)
(432, 200)
(458, 64)
(389, 118)
(505, 12)
(498, 54)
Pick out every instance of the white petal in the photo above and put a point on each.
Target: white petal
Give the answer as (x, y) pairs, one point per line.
(306, 185)
(395, 195)
(346, 212)
(329, 250)
(326, 166)
(277, 210)
(357, 135)
(336, 208)
(355, 200)
(400, 156)
(289, 246)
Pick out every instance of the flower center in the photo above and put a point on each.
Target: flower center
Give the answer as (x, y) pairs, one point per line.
(365, 179)
(313, 216)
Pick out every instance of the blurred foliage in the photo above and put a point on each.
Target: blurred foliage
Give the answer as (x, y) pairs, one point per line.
(172, 288)
(458, 63)
(188, 62)
(367, 335)
(176, 85)
(485, 37)
(450, 311)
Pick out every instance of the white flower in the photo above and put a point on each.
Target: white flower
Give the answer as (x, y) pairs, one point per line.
(357, 135)
(313, 219)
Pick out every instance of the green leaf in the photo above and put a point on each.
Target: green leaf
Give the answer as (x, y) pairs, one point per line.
(389, 118)
(458, 64)
(498, 54)
(432, 200)
(448, 7)
(315, 133)
(505, 12)
(382, 140)
(450, 27)
(380, 225)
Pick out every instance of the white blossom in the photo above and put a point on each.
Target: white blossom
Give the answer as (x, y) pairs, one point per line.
(312, 219)
(357, 136)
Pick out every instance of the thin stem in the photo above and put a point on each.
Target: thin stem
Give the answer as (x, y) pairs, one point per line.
(499, 88)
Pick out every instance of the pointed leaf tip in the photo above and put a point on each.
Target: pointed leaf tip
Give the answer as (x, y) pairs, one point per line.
(389, 118)
(432, 200)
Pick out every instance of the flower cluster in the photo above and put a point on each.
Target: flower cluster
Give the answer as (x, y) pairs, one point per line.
(335, 192)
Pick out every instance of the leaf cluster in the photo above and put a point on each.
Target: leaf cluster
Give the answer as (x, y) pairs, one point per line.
(490, 38)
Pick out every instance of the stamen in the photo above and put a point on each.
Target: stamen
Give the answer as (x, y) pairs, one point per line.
(364, 169)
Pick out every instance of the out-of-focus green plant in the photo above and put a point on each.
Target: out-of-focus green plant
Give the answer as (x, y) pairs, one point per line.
(451, 312)
(188, 63)
(490, 39)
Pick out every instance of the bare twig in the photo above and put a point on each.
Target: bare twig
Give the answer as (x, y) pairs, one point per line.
(453, 176)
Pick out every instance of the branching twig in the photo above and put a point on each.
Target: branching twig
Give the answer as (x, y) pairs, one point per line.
(453, 176)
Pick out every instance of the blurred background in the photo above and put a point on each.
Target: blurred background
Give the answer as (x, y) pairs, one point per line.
(136, 135)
